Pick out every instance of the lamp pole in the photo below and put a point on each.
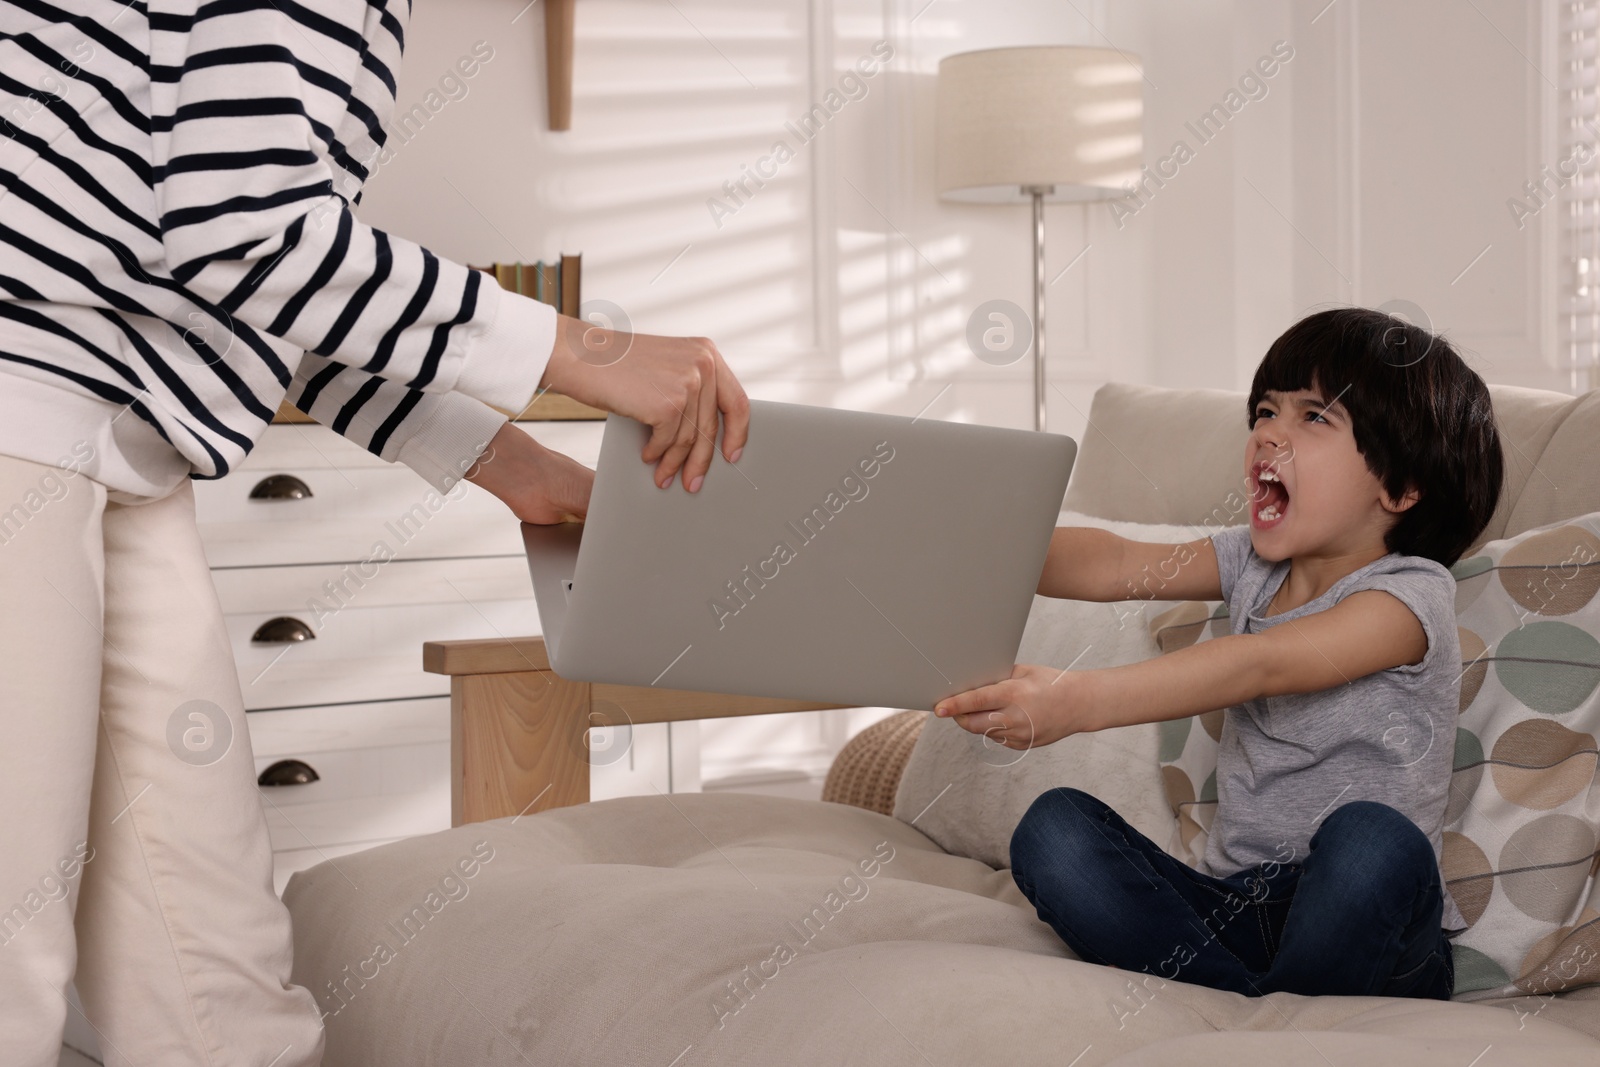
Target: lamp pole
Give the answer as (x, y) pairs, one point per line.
(1038, 192)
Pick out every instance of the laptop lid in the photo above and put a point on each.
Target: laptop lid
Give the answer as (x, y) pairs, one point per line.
(849, 557)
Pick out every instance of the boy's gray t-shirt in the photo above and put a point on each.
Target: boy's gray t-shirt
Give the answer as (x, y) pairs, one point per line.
(1285, 762)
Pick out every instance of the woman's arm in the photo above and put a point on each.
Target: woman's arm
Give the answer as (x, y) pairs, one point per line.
(260, 143)
(537, 484)
(438, 435)
(265, 121)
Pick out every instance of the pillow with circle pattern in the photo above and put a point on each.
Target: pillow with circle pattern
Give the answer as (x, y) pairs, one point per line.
(1522, 833)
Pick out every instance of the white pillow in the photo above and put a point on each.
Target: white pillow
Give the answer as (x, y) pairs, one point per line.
(968, 793)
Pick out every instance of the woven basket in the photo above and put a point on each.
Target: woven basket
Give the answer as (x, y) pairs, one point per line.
(866, 772)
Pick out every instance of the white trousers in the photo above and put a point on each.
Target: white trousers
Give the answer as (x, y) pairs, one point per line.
(135, 852)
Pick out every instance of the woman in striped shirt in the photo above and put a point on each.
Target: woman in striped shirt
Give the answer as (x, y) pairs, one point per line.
(177, 255)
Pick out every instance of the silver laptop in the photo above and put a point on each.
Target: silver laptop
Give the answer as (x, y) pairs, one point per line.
(848, 558)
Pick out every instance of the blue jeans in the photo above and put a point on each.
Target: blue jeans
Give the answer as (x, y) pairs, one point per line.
(1359, 914)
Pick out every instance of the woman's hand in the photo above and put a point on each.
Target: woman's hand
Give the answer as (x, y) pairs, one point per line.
(675, 385)
(538, 485)
(1035, 706)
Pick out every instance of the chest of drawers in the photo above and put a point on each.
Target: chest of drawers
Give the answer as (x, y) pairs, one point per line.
(333, 568)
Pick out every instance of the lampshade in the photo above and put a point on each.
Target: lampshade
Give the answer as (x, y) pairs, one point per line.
(1052, 115)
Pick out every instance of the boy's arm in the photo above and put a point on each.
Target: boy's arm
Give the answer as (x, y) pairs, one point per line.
(1367, 631)
(1088, 563)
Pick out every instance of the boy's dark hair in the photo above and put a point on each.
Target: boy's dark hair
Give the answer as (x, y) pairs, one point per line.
(1421, 417)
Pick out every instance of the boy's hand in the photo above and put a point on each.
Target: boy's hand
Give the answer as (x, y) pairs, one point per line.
(1035, 706)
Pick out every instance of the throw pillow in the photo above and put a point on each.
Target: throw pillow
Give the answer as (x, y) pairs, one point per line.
(968, 793)
(1188, 747)
(1522, 834)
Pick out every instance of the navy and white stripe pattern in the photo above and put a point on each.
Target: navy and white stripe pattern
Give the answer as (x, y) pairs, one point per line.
(174, 238)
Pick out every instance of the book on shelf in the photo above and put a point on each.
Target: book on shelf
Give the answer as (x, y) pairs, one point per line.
(557, 284)
(570, 268)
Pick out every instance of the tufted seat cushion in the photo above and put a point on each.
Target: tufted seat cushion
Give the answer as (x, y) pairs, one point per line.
(712, 929)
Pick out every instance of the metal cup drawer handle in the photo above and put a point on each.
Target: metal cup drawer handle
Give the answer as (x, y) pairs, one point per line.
(289, 772)
(282, 630)
(280, 487)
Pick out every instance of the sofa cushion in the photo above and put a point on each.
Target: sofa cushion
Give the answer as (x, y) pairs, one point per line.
(1189, 746)
(968, 793)
(1152, 454)
(1522, 832)
(705, 930)
(1551, 473)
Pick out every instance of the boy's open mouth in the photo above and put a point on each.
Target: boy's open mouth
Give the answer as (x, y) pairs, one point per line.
(1269, 496)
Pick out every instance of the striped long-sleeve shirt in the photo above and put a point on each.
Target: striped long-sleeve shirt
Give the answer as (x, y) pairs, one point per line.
(178, 251)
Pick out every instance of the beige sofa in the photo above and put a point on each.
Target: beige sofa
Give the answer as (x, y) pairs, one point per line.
(685, 929)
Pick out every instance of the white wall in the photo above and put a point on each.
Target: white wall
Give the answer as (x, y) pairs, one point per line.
(1419, 121)
(1374, 168)
(845, 280)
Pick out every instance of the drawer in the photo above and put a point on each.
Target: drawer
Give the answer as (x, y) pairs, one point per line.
(351, 515)
(313, 590)
(308, 732)
(383, 794)
(383, 772)
(358, 502)
(352, 774)
(253, 544)
(366, 821)
(364, 653)
(368, 496)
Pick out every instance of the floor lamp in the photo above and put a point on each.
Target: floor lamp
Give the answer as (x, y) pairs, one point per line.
(1037, 124)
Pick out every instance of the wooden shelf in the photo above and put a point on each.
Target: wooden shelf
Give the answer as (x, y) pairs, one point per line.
(553, 407)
